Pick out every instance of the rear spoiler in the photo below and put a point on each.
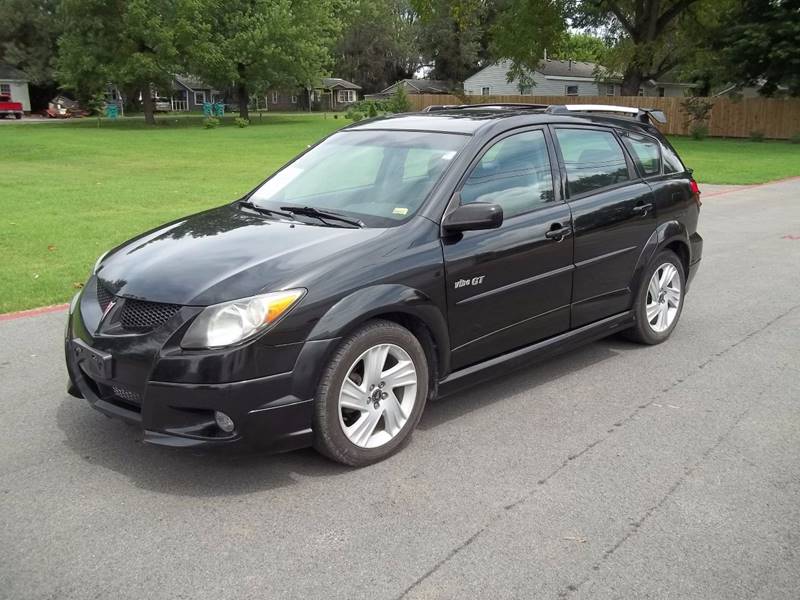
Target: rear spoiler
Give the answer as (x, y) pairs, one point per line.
(642, 114)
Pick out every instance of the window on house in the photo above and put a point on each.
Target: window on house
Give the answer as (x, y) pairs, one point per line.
(593, 160)
(294, 99)
(571, 90)
(610, 89)
(645, 152)
(485, 91)
(641, 91)
(346, 96)
(275, 97)
(199, 97)
(514, 173)
(661, 92)
(5, 88)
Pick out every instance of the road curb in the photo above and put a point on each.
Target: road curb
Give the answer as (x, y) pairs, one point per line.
(32, 312)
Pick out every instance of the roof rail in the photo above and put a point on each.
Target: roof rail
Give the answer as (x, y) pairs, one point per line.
(642, 114)
(438, 107)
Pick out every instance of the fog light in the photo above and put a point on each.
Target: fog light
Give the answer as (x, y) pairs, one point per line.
(224, 422)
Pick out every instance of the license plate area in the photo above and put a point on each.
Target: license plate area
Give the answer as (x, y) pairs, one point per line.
(96, 364)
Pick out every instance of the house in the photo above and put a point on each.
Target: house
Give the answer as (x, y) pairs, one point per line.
(14, 83)
(412, 87)
(190, 93)
(562, 78)
(330, 93)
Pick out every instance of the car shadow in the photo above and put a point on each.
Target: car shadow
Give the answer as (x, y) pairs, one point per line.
(114, 445)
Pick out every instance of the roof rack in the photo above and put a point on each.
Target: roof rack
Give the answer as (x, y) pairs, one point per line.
(438, 107)
(642, 114)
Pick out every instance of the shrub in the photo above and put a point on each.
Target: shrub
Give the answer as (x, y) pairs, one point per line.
(372, 111)
(699, 132)
(356, 116)
(242, 123)
(211, 123)
(756, 136)
(795, 139)
(399, 102)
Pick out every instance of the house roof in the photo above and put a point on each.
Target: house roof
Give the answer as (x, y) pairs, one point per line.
(333, 82)
(191, 82)
(423, 86)
(11, 73)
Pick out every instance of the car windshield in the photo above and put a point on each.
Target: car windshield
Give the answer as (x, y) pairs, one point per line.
(378, 177)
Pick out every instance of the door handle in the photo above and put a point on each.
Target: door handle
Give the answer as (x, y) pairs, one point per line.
(558, 232)
(642, 209)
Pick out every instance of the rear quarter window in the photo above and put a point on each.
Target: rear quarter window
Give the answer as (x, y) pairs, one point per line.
(672, 164)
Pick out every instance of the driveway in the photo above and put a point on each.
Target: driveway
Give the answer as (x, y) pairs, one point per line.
(616, 471)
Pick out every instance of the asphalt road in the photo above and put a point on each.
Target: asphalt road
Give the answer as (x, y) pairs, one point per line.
(616, 471)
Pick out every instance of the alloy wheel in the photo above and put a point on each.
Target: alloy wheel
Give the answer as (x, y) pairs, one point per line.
(377, 395)
(663, 297)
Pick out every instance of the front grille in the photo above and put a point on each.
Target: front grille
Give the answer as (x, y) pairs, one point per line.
(126, 395)
(138, 315)
(104, 297)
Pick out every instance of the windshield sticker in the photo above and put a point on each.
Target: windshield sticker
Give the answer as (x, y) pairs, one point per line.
(399, 210)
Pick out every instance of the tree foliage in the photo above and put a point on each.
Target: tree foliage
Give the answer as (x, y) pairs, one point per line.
(378, 44)
(760, 44)
(28, 35)
(255, 44)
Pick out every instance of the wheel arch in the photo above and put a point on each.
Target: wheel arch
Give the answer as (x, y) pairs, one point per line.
(670, 235)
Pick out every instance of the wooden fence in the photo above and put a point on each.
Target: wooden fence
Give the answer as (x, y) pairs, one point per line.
(773, 117)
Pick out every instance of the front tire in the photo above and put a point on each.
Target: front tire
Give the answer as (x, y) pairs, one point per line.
(659, 301)
(371, 394)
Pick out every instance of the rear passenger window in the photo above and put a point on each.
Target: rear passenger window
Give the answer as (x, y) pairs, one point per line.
(514, 173)
(645, 152)
(593, 160)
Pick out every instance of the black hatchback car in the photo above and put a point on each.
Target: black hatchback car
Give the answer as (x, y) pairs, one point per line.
(398, 259)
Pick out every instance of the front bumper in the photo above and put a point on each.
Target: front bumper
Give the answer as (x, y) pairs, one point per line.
(273, 411)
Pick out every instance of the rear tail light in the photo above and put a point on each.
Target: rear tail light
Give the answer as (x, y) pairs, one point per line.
(695, 192)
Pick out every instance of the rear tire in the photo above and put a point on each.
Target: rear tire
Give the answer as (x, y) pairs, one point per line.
(659, 300)
(371, 394)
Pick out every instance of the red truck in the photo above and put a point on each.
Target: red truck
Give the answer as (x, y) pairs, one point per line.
(7, 107)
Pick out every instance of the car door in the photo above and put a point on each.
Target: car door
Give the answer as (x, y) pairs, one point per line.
(613, 214)
(511, 286)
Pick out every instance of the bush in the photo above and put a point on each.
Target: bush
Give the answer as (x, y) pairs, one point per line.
(699, 132)
(371, 110)
(399, 102)
(756, 136)
(242, 123)
(795, 139)
(356, 116)
(211, 123)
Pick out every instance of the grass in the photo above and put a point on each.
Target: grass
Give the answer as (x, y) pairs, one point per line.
(71, 190)
(738, 161)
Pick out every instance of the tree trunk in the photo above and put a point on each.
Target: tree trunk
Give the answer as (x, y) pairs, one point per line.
(148, 106)
(631, 82)
(244, 100)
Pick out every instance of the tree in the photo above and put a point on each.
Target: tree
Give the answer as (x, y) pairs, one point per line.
(453, 36)
(28, 35)
(760, 44)
(131, 43)
(378, 44)
(254, 44)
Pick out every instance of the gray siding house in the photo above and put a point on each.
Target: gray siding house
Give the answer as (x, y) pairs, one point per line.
(14, 83)
(562, 78)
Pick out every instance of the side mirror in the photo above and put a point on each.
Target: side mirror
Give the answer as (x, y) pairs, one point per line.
(474, 216)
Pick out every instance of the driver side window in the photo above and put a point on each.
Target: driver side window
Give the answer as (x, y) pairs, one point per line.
(514, 173)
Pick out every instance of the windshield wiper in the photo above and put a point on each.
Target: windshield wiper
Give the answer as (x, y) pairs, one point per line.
(263, 210)
(322, 215)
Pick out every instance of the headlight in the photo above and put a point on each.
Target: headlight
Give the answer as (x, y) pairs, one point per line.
(236, 321)
(99, 260)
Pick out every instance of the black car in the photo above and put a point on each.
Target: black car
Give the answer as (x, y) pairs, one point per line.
(397, 260)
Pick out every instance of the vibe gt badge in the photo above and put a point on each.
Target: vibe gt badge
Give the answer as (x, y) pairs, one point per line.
(468, 282)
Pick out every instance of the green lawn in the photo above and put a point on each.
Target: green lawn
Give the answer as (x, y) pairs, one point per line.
(738, 161)
(72, 190)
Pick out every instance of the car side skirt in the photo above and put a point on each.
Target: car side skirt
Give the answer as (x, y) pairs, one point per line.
(468, 376)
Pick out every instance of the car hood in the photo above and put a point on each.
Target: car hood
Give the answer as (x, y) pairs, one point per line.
(222, 254)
